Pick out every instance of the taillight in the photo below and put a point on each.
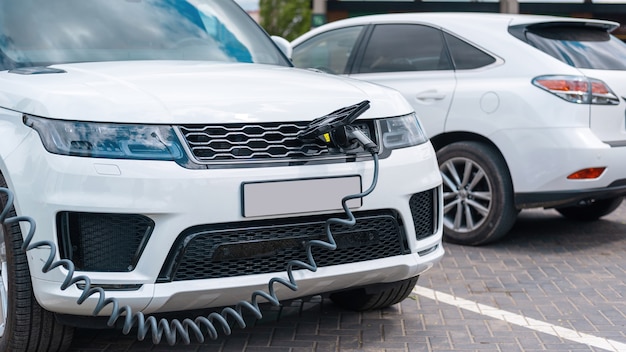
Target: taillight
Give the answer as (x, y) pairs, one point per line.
(578, 89)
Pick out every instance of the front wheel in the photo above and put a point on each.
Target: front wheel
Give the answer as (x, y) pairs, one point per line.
(24, 325)
(592, 210)
(362, 299)
(477, 193)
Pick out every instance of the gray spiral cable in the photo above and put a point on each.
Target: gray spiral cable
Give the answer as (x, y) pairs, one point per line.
(175, 328)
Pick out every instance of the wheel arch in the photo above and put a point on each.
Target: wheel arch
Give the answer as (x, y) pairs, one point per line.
(441, 140)
(5, 176)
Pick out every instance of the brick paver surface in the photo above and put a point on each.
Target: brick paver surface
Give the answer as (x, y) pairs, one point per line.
(564, 273)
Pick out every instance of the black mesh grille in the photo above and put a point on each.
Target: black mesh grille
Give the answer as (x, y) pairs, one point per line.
(103, 242)
(261, 143)
(250, 141)
(424, 209)
(208, 252)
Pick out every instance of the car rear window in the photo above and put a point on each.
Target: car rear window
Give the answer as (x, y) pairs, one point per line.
(578, 46)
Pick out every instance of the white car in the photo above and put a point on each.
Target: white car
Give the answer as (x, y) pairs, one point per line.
(170, 151)
(524, 111)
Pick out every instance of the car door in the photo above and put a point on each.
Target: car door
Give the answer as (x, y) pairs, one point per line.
(413, 59)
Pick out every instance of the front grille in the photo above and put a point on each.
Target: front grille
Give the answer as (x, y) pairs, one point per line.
(103, 242)
(210, 251)
(243, 144)
(424, 211)
(231, 142)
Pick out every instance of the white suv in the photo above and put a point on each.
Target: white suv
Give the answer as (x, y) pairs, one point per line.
(170, 152)
(524, 111)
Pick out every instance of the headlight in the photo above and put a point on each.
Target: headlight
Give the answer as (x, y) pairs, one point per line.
(400, 132)
(107, 140)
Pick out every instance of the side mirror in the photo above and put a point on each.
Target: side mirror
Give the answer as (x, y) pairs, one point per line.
(283, 45)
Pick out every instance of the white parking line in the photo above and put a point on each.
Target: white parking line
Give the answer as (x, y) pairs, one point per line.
(520, 320)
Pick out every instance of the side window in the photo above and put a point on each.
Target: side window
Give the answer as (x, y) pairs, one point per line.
(329, 51)
(405, 47)
(466, 56)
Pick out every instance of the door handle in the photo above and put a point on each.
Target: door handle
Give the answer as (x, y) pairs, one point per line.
(430, 95)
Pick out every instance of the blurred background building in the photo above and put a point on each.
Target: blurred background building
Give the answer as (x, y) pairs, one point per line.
(323, 11)
(615, 10)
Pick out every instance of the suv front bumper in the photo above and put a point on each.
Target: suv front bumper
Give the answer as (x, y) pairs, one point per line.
(177, 199)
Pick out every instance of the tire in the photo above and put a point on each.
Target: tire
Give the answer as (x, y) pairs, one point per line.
(477, 194)
(591, 211)
(26, 326)
(362, 299)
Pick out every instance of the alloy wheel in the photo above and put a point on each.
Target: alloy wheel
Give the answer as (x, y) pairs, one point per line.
(467, 194)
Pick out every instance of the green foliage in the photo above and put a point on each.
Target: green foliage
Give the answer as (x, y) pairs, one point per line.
(285, 18)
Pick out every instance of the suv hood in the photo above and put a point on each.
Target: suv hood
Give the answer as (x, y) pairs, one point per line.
(166, 92)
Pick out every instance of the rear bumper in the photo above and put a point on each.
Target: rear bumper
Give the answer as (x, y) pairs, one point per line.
(540, 161)
(569, 198)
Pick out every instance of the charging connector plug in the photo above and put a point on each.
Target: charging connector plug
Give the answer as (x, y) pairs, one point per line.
(349, 138)
(358, 135)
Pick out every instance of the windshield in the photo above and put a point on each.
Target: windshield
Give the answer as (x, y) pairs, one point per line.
(578, 46)
(45, 32)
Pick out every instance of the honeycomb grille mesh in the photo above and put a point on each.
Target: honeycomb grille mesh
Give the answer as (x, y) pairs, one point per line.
(265, 248)
(266, 141)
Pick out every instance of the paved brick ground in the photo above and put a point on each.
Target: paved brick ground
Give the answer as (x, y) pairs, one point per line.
(568, 274)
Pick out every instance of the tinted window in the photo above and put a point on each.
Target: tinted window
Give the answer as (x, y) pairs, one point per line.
(405, 47)
(465, 56)
(43, 32)
(582, 47)
(329, 51)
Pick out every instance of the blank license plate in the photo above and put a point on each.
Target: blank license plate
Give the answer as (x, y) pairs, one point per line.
(299, 196)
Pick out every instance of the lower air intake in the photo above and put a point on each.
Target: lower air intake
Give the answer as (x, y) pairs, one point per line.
(103, 242)
(210, 251)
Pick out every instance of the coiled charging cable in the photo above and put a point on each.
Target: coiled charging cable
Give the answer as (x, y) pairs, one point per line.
(174, 329)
